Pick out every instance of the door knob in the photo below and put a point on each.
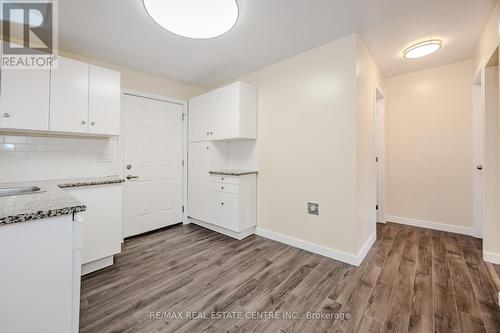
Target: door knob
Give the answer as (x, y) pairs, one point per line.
(129, 177)
(480, 167)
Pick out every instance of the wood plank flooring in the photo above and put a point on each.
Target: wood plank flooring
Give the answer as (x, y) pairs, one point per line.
(494, 271)
(189, 279)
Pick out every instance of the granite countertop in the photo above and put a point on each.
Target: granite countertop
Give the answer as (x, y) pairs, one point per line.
(233, 172)
(51, 201)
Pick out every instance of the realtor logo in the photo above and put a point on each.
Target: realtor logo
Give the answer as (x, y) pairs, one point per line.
(29, 29)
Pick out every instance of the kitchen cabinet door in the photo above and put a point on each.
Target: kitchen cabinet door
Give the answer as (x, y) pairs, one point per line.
(69, 96)
(224, 210)
(24, 99)
(224, 111)
(199, 116)
(198, 180)
(102, 221)
(104, 101)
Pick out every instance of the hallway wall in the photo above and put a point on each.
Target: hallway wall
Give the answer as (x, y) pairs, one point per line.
(429, 157)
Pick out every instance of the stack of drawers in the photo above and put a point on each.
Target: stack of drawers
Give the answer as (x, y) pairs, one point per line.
(233, 201)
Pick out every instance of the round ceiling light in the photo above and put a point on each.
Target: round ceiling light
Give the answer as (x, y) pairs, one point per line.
(194, 18)
(422, 49)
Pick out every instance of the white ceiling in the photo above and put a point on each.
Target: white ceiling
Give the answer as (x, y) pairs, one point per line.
(121, 32)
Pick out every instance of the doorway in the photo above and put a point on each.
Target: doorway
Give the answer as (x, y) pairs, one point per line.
(478, 127)
(380, 153)
(152, 164)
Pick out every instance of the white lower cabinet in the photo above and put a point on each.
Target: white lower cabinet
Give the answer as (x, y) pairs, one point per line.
(102, 233)
(233, 202)
(224, 210)
(39, 280)
(225, 204)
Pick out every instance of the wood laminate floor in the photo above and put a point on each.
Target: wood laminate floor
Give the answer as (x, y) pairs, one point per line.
(413, 279)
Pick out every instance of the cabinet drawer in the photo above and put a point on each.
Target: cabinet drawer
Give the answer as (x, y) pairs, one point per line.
(225, 210)
(222, 187)
(224, 179)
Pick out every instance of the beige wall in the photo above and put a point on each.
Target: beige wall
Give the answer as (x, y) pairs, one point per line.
(429, 145)
(143, 82)
(308, 145)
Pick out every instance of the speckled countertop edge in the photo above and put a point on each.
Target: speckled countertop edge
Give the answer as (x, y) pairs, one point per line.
(91, 182)
(52, 202)
(235, 173)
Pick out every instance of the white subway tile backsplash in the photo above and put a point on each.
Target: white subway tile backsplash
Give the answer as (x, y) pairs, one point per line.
(15, 139)
(7, 147)
(25, 147)
(38, 158)
(37, 140)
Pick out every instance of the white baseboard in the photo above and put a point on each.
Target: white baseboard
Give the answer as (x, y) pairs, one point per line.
(431, 225)
(97, 265)
(237, 235)
(364, 250)
(494, 258)
(348, 258)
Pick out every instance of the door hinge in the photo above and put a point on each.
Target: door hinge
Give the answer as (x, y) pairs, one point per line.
(182, 162)
(183, 208)
(183, 116)
(376, 207)
(376, 159)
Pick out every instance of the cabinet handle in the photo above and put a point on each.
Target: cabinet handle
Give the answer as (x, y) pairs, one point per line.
(222, 203)
(211, 133)
(222, 188)
(208, 133)
(6, 115)
(92, 123)
(83, 122)
(222, 178)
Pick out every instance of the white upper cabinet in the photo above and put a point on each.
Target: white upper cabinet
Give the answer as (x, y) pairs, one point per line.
(69, 96)
(228, 113)
(72, 97)
(199, 115)
(24, 99)
(104, 101)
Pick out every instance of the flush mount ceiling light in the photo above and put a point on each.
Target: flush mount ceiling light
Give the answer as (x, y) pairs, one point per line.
(422, 49)
(194, 18)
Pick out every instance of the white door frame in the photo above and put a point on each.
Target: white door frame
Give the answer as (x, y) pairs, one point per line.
(478, 109)
(184, 104)
(379, 132)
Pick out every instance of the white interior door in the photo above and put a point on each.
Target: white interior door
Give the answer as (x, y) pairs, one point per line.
(152, 145)
(478, 153)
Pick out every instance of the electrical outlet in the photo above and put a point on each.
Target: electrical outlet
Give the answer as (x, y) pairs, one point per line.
(313, 208)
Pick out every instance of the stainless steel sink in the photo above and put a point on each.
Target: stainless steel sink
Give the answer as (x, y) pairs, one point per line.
(20, 190)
